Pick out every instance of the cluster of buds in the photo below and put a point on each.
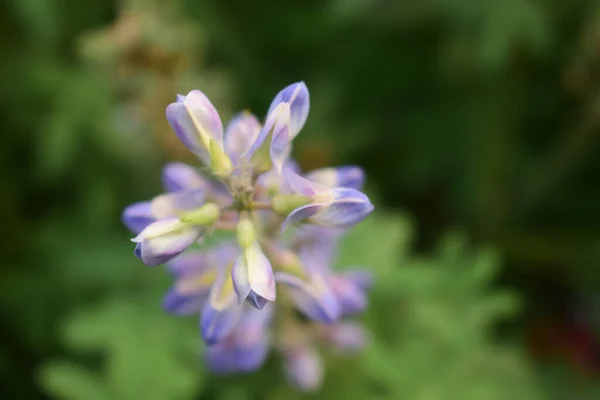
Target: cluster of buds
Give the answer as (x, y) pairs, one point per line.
(271, 285)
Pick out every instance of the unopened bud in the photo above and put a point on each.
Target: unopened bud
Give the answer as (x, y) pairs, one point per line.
(206, 215)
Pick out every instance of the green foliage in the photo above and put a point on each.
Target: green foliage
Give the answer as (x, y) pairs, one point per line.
(145, 353)
(431, 323)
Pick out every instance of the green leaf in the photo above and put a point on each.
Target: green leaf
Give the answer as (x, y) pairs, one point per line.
(378, 243)
(67, 381)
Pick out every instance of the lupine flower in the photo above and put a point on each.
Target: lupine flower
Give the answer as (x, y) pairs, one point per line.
(338, 207)
(251, 187)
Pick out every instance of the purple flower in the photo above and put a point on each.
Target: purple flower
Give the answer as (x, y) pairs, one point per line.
(330, 207)
(312, 296)
(246, 347)
(221, 312)
(252, 273)
(139, 215)
(196, 122)
(296, 95)
(164, 240)
(254, 189)
(253, 277)
(285, 119)
(195, 272)
(304, 367)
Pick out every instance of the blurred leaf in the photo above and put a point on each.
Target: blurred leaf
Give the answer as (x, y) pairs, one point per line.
(68, 381)
(148, 354)
(379, 243)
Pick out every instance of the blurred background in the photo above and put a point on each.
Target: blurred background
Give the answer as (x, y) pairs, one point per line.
(476, 121)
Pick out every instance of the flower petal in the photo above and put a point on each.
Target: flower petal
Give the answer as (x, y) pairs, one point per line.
(178, 177)
(164, 240)
(221, 312)
(175, 302)
(275, 130)
(303, 186)
(241, 281)
(348, 208)
(253, 276)
(297, 96)
(304, 368)
(189, 263)
(138, 216)
(348, 176)
(240, 134)
(260, 273)
(301, 214)
(360, 277)
(171, 204)
(196, 121)
(346, 336)
(224, 359)
(315, 299)
(281, 146)
(351, 297)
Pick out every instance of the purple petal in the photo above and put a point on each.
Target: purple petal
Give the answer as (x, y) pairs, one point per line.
(241, 281)
(315, 299)
(360, 277)
(244, 350)
(232, 359)
(348, 176)
(180, 304)
(348, 208)
(252, 273)
(190, 263)
(317, 245)
(277, 124)
(164, 240)
(138, 216)
(280, 146)
(301, 214)
(297, 95)
(255, 318)
(351, 297)
(171, 204)
(346, 336)
(221, 312)
(179, 177)
(256, 300)
(216, 324)
(196, 121)
(240, 134)
(304, 186)
(137, 251)
(304, 368)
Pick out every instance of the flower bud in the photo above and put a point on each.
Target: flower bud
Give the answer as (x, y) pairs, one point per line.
(206, 215)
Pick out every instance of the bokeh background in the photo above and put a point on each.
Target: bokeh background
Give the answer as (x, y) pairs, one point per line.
(476, 121)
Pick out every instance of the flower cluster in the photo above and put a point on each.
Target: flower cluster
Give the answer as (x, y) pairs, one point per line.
(263, 288)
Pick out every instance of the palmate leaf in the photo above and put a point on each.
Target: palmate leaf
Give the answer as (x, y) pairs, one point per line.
(146, 353)
(430, 318)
